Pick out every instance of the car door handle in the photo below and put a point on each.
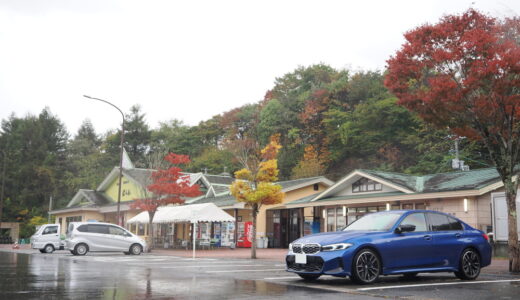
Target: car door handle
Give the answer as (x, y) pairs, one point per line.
(428, 237)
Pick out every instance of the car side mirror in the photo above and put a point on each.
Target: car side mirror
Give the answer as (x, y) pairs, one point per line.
(405, 228)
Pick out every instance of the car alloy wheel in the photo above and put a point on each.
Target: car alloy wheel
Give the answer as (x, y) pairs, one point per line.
(81, 249)
(366, 267)
(469, 266)
(135, 249)
(49, 249)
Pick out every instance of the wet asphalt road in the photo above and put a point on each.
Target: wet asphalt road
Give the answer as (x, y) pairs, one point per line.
(116, 276)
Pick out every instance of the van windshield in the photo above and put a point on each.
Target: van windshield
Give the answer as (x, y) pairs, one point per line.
(39, 230)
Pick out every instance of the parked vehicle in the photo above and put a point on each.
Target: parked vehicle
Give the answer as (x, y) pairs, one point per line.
(392, 242)
(47, 238)
(83, 237)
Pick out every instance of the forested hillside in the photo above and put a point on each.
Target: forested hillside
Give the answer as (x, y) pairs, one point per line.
(329, 121)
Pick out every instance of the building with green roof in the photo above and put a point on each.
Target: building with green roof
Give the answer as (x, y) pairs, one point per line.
(464, 194)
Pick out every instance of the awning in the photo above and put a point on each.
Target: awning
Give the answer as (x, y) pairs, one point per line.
(195, 213)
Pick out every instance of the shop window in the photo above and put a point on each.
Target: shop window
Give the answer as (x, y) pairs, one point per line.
(372, 209)
(381, 208)
(408, 206)
(330, 219)
(366, 185)
(140, 229)
(395, 207)
(420, 206)
(341, 221)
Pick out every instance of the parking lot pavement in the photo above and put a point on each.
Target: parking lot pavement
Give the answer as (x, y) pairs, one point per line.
(492, 284)
(437, 285)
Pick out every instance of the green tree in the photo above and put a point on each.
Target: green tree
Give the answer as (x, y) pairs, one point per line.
(137, 135)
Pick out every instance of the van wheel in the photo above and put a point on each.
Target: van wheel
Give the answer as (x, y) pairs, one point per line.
(72, 252)
(136, 249)
(469, 265)
(80, 249)
(49, 249)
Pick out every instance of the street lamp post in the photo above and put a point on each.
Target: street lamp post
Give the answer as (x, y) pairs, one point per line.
(3, 185)
(119, 221)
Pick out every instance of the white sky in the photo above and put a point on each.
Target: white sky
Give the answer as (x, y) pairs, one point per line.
(189, 60)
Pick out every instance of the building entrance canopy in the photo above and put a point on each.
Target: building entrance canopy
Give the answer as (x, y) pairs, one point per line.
(195, 213)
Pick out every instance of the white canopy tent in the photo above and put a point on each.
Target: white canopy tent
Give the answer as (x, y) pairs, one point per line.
(195, 213)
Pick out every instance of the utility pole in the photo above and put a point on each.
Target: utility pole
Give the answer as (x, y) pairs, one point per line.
(50, 208)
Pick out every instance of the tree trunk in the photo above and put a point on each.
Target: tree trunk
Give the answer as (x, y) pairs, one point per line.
(150, 231)
(253, 242)
(513, 247)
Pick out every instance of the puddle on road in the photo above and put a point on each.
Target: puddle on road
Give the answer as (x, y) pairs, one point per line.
(49, 277)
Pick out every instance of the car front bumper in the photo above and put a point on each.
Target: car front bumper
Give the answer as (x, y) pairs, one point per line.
(335, 263)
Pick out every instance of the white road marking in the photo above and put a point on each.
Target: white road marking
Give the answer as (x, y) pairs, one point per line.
(435, 284)
(210, 266)
(234, 271)
(281, 278)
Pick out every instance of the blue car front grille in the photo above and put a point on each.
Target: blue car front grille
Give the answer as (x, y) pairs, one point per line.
(306, 248)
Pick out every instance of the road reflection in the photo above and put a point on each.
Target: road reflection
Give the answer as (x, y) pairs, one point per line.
(51, 277)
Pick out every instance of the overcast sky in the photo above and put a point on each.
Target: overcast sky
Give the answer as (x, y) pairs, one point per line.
(189, 60)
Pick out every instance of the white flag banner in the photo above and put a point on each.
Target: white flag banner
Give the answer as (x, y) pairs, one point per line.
(127, 163)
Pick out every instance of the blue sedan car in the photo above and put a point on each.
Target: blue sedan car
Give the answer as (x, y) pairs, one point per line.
(392, 242)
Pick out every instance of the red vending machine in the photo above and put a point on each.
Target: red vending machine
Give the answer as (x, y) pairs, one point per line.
(245, 234)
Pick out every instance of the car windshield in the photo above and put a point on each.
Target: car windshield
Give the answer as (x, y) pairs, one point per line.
(375, 222)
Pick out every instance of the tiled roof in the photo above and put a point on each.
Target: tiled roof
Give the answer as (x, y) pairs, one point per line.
(290, 183)
(218, 179)
(225, 200)
(95, 197)
(221, 189)
(142, 176)
(442, 182)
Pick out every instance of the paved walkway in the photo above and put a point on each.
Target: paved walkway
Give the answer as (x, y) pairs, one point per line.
(266, 254)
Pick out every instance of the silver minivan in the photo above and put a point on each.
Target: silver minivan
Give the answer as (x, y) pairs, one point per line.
(83, 237)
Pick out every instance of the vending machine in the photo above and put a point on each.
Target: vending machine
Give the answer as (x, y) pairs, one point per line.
(245, 234)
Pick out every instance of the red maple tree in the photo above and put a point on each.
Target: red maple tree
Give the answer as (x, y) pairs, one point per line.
(169, 186)
(464, 73)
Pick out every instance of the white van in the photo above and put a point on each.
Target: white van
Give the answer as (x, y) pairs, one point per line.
(83, 237)
(47, 238)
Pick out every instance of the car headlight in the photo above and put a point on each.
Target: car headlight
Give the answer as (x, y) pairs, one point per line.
(290, 247)
(334, 247)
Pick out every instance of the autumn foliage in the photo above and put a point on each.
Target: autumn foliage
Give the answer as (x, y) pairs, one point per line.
(255, 186)
(168, 186)
(464, 73)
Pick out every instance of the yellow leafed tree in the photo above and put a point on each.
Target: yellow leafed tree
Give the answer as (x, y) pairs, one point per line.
(255, 182)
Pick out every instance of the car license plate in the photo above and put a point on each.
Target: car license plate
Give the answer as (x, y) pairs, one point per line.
(301, 259)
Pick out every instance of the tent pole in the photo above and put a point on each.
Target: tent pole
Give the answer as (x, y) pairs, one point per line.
(194, 237)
